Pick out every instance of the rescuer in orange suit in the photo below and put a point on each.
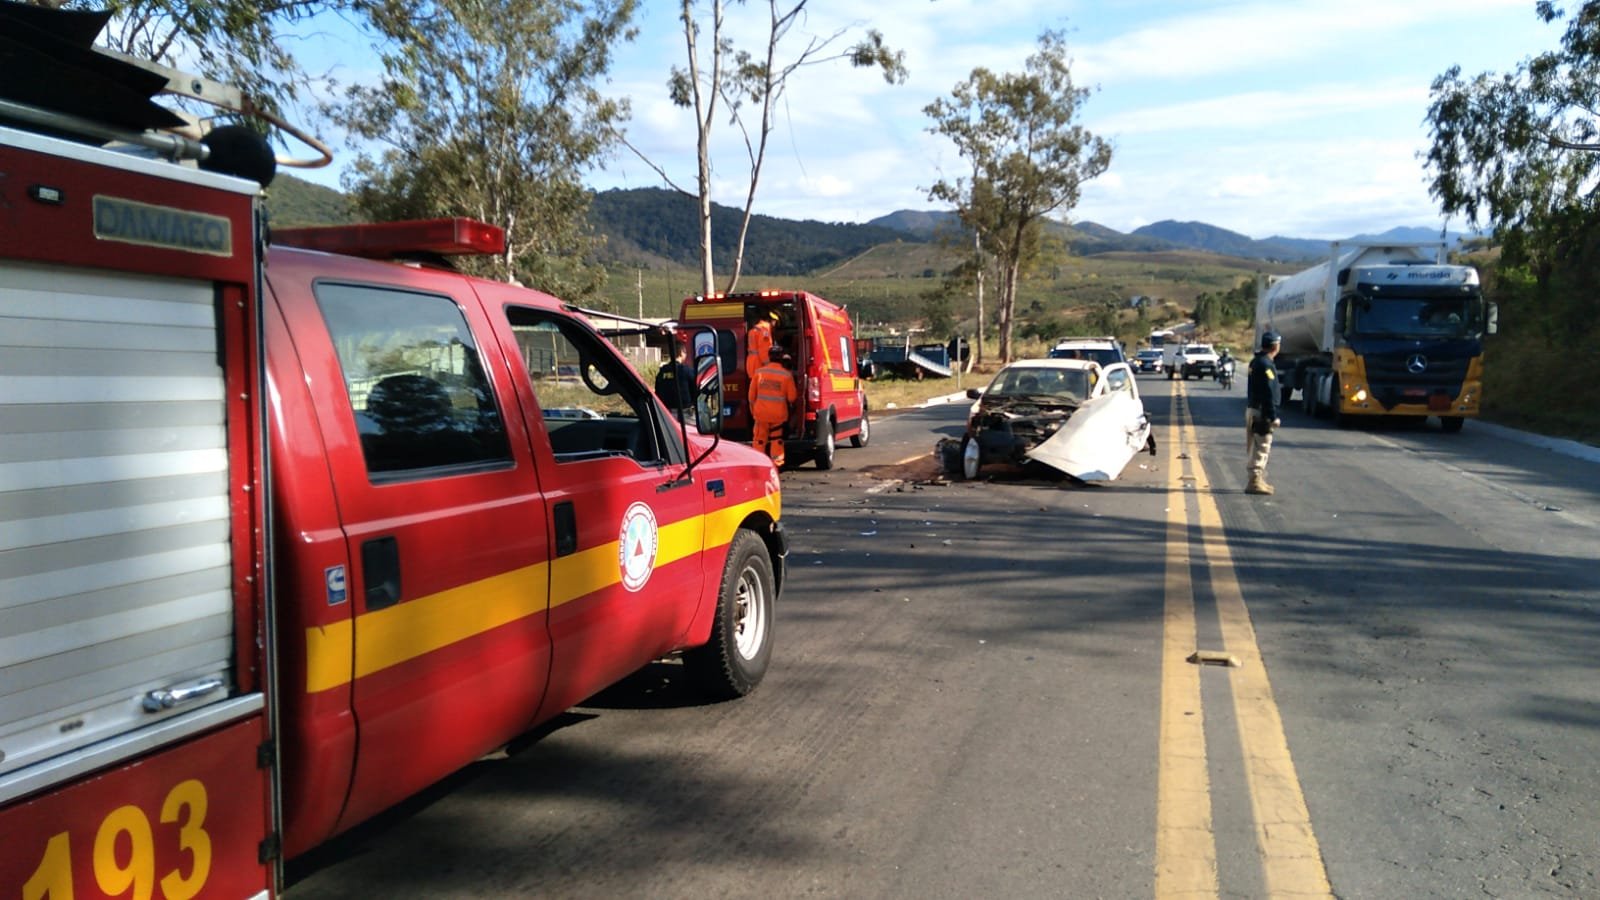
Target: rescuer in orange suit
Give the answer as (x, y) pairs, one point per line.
(772, 393)
(758, 343)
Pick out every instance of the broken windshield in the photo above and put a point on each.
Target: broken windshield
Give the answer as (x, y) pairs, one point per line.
(1058, 385)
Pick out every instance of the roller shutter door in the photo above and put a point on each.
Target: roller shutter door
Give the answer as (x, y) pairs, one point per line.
(114, 520)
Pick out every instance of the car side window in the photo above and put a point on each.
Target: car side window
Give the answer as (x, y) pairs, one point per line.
(591, 403)
(415, 379)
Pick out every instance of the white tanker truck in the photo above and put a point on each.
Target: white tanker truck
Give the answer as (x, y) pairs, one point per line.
(1380, 330)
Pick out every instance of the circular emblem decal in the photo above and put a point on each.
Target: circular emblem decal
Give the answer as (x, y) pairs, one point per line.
(636, 546)
(1416, 364)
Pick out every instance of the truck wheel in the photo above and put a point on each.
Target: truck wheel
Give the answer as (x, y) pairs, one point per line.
(1451, 424)
(1311, 396)
(971, 459)
(825, 444)
(860, 438)
(733, 662)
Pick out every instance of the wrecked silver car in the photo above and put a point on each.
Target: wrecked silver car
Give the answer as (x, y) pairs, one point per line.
(1070, 415)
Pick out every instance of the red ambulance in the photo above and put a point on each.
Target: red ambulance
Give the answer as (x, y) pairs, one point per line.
(289, 530)
(820, 338)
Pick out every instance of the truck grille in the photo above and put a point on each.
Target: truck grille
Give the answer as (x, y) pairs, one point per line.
(1392, 368)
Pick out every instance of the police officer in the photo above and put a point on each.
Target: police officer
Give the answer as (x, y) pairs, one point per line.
(1261, 412)
(675, 383)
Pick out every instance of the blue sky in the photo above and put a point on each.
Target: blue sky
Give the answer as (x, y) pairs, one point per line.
(1302, 119)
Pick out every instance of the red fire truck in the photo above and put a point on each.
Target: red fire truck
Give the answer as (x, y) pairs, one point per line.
(289, 531)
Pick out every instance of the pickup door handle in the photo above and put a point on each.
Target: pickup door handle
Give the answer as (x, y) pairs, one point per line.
(167, 698)
(566, 521)
(380, 569)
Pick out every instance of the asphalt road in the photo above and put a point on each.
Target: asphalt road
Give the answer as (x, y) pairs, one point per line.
(980, 689)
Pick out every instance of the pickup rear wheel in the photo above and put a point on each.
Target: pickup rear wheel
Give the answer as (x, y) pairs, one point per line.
(734, 661)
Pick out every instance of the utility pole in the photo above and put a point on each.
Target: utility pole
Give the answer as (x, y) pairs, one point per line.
(639, 285)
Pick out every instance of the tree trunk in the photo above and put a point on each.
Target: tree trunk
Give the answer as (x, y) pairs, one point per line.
(705, 104)
(979, 349)
(1008, 305)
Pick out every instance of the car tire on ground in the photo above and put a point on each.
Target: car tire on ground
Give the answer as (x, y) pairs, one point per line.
(734, 661)
(971, 459)
(860, 438)
(825, 442)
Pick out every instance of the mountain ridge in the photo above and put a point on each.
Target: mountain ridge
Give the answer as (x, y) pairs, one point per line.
(652, 226)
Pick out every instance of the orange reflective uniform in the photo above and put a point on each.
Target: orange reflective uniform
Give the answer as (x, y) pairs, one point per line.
(756, 344)
(772, 392)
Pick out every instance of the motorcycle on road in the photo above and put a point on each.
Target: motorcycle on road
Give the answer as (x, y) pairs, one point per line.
(1225, 374)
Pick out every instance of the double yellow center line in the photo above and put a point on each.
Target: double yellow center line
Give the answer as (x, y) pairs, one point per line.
(1186, 855)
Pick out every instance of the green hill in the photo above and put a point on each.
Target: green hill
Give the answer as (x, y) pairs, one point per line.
(664, 224)
(294, 202)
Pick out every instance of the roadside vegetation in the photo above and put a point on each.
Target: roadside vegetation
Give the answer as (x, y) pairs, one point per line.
(1519, 152)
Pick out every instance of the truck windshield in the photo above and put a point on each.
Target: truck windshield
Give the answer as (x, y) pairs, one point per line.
(1411, 317)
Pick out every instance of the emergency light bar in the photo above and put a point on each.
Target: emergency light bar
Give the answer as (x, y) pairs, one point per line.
(387, 240)
(745, 295)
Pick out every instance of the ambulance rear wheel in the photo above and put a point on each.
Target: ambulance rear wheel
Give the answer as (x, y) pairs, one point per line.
(734, 661)
(825, 442)
(860, 438)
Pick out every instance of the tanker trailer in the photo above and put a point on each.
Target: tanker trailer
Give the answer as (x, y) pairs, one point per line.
(1380, 330)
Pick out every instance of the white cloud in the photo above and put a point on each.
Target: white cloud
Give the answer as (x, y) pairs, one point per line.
(1250, 36)
(1274, 109)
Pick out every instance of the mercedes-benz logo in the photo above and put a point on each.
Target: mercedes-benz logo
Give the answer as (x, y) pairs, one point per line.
(1416, 364)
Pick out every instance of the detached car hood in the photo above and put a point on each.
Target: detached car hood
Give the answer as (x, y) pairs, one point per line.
(1096, 443)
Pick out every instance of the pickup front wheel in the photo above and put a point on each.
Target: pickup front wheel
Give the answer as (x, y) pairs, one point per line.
(734, 661)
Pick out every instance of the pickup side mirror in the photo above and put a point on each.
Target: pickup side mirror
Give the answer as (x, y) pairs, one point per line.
(708, 389)
(974, 393)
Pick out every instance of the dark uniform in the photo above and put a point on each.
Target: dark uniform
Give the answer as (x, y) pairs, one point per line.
(1261, 413)
(675, 385)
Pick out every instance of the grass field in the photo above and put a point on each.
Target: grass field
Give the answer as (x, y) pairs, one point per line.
(886, 289)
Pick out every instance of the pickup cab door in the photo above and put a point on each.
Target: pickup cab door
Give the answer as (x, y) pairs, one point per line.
(448, 651)
(627, 534)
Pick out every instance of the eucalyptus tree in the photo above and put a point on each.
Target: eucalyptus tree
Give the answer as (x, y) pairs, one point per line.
(490, 108)
(1029, 159)
(1517, 150)
(240, 43)
(716, 70)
